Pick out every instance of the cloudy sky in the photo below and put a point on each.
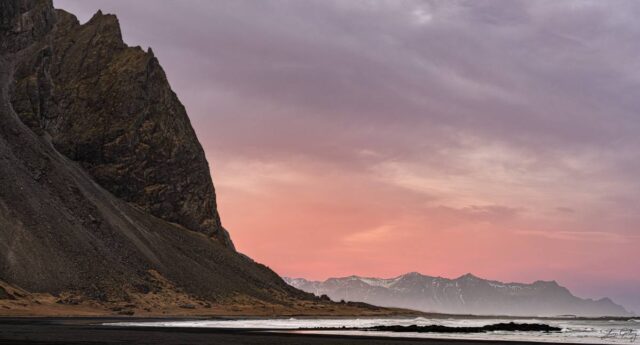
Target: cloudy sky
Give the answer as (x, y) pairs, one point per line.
(381, 137)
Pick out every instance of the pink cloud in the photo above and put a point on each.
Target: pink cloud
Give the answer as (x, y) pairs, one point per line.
(442, 137)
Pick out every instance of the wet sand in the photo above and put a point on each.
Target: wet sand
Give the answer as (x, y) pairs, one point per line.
(86, 331)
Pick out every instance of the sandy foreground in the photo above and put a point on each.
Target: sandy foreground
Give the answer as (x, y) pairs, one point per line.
(90, 331)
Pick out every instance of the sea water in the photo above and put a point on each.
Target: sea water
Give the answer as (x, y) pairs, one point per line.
(600, 331)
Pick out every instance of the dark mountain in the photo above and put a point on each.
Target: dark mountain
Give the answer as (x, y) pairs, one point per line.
(110, 108)
(106, 202)
(62, 231)
(467, 294)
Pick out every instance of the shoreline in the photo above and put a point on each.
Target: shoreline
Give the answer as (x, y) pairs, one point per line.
(195, 316)
(90, 330)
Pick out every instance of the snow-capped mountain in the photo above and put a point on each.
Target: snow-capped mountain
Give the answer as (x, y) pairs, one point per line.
(467, 294)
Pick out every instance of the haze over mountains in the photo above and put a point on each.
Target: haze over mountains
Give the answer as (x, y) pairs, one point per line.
(467, 294)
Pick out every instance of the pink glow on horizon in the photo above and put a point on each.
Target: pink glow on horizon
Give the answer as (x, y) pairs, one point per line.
(318, 226)
(445, 137)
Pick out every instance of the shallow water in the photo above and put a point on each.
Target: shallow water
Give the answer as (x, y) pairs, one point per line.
(573, 330)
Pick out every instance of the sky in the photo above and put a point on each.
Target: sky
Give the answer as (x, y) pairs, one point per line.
(382, 137)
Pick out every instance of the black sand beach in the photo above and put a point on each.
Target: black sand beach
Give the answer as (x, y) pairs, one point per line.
(89, 331)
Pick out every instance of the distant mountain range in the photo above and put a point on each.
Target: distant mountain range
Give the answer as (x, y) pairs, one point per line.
(467, 294)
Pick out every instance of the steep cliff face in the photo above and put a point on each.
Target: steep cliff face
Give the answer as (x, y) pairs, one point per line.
(106, 205)
(63, 234)
(110, 108)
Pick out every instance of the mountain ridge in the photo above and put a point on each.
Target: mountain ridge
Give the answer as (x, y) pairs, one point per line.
(110, 108)
(467, 294)
(106, 202)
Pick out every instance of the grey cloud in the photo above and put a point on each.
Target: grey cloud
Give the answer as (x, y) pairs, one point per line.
(528, 73)
(555, 81)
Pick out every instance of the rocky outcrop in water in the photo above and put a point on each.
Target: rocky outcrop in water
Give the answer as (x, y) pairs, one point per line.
(496, 327)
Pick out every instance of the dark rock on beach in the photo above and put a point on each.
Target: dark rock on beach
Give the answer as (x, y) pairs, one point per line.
(510, 327)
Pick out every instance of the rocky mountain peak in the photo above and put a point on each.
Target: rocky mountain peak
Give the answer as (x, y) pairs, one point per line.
(110, 108)
(105, 192)
(468, 276)
(108, 24)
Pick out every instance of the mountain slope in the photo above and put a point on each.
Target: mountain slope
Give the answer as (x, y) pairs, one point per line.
(97, 185)
(465, 295)
(60, 231)
(110, 108)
